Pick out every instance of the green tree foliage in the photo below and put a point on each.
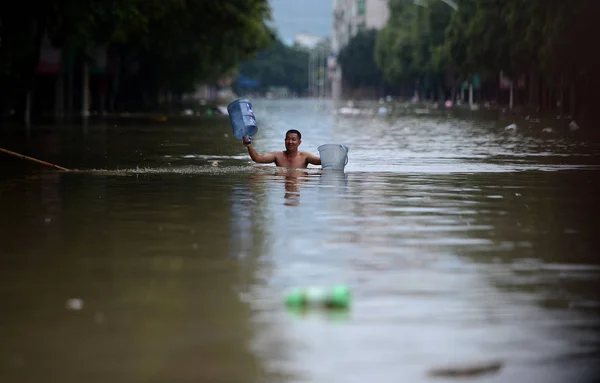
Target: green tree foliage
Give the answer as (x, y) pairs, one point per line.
(279, 66)
(410, 45)
(358, 63)
(176, 43)
(551, 41)
(73, 25)
(78, 24)
(546, 39)
(206, 39)
(478, 38)
(550, 36)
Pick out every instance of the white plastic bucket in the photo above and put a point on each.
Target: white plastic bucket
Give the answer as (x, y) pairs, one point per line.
(333, 156)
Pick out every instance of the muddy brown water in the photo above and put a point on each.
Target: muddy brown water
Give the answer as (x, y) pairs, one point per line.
(462, 243)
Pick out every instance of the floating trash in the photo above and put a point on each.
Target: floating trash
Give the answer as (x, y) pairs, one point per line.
(74, 304)
(573, 126)
(333, 297)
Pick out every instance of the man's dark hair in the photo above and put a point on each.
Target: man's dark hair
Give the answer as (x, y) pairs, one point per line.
(294, 131)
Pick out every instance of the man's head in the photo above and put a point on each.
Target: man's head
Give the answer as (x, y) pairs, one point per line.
(293, 138)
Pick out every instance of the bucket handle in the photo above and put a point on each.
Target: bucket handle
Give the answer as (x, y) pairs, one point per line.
(346, 149)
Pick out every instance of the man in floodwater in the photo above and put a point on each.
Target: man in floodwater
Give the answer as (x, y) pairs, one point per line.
(290, 157)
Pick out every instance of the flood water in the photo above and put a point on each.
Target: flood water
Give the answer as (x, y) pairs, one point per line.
(462, 243)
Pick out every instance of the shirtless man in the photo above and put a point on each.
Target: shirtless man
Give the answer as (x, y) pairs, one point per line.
(290, 157)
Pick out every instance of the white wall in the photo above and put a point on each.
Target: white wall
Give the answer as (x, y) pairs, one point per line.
(377, 13)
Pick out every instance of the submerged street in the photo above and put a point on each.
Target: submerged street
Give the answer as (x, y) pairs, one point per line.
(166, 257)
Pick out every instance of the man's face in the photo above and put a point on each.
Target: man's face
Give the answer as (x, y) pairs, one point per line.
(292, 141)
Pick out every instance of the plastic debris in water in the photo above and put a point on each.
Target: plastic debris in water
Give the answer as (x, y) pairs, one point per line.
(74, 304)
(333, 297)
(573, 126)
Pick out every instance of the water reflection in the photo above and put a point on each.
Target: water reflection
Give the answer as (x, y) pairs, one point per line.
(335, 316)
(333, 182)
(292, 182)
(242, 220)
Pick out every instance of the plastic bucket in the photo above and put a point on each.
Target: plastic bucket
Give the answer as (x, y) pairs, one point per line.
(333, 156)
(241, 117)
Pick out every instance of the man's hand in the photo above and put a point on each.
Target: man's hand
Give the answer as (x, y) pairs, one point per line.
(246, 140)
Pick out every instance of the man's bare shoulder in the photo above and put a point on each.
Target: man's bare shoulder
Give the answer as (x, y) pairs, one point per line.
(307, 154)
(273, 153)
(278, 157)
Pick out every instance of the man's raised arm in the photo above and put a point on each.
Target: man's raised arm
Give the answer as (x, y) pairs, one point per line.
(259, 158)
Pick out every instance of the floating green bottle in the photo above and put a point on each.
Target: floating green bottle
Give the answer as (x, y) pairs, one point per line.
(337, 296)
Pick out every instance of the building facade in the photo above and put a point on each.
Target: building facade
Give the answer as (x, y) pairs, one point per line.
(349, 18)
(353, 16)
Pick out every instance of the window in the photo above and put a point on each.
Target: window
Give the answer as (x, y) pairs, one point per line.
(360, 7)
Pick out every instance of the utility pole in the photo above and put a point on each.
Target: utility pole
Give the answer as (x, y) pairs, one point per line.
(309, 74)
(324, 70)
(313, 73)
(319, 71)
(316, 72)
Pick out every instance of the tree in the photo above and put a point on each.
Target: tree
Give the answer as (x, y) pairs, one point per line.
(204, 40)
(278, 66)
(548, 39)
(176, 43)
(410, 45)
(394, 46)
(358, 63)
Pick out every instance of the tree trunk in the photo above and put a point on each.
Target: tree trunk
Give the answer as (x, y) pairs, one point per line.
(39, 30)
(561, 96)
(3, 106)
(85, 90)
(115, 84)
(533, 90)
(70, 91)
(470, 94)
(27, 110)
(543, 86)
(572, 100)
(102, 94)
(59, 103)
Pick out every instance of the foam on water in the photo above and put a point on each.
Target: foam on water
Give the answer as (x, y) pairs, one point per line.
(198, 169)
